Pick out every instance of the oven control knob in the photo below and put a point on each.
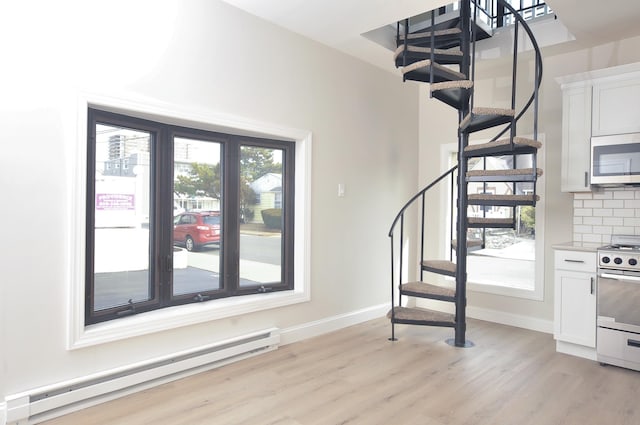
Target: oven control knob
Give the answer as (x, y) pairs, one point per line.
(617, 260)
(633, 261)
(606, 260)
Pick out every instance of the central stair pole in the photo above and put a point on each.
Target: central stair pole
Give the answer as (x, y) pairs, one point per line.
(461, 228)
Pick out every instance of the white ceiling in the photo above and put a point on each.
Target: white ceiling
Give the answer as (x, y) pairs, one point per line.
(340, 23)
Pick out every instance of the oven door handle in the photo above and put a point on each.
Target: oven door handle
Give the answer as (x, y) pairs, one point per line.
(619, 277)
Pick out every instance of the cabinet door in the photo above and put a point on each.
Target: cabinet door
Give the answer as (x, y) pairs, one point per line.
(576, 139)
(575, 307)
(616, 106)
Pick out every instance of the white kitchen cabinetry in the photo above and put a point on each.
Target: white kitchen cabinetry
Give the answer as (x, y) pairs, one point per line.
(575, 302)
(576, 138)
(595, 103)
(616, 105)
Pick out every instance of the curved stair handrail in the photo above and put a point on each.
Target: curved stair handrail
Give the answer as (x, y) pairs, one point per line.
(417, 195)
(538, 71)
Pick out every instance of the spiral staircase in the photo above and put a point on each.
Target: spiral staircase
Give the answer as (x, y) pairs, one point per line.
(443, 55)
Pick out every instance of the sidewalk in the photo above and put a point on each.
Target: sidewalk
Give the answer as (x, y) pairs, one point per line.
(258, 229)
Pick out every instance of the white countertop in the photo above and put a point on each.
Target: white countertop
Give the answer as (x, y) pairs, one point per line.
(577, 246)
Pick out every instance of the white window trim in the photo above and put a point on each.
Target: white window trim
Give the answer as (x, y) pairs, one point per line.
(80, 335)
(537, 293)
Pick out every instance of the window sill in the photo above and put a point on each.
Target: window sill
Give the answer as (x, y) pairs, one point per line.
(185, 315)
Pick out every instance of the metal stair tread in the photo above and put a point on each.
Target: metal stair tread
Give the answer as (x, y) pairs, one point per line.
(503, 146)
(418, 53)
(454, 93)
(486, 222)
(471, 243)
(449, 32)
(421, 316)
(425, 67)
(502, 200)
(440, 266)
(428, 290)
(483, 118)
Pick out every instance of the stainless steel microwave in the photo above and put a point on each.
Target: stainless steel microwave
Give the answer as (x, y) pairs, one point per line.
(615, 160)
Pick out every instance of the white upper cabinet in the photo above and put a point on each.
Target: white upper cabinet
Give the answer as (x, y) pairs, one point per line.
(616, 105)
(595, 103)
(576, 138)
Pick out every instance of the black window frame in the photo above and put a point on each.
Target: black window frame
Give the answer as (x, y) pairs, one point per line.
(161, 214)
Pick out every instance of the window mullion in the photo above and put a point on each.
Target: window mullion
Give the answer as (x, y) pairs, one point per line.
(230, 219)
(162, 188)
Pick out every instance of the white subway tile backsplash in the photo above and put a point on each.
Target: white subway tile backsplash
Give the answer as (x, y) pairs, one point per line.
(612, 221)
(591, 238)
(594, 221)
(602, 195)
(624, 230)
(598, 215)
(582, 229)
(582, 212)
(603, 212)
(621, 212)
(632, 221)
(603, 230)
(623, 194)
(586, 195)
(592, 203)
(614, 203)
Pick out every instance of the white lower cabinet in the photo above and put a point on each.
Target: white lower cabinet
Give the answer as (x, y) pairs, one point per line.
(575, 302)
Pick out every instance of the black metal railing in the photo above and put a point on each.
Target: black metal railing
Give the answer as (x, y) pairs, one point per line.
(399, 221)
(506, 12)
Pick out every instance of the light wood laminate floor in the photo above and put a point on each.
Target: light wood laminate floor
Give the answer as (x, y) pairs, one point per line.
(357, 376)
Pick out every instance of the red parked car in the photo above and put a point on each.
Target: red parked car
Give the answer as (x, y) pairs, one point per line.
(196, 229)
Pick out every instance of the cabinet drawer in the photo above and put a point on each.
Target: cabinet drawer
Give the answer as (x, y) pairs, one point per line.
(578, 261)
(619, 348)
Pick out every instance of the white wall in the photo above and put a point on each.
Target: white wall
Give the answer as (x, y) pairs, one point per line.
(437, 126)
(206, 55)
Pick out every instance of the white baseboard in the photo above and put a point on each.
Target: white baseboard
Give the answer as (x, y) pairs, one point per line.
(495, 316)
(330, 324)
(510, 319)
(576, 350)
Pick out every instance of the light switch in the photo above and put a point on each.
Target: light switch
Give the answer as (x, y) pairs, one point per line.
(340, 190)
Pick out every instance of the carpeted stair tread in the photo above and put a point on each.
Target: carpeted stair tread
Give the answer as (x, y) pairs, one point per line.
(456, 84)
(427, 51)
(428, 290)
(438, 33)
(504, 172)
(428, 66)
(482, 118)
(427, 317)
(502, 200)
(486, 222)
(440, 266)
(503, 146)
(471, 243)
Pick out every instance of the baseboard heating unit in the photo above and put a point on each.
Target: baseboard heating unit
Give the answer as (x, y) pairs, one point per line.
(48, 402)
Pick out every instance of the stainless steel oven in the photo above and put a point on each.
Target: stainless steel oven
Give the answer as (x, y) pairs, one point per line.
(618, 303)
(615, 160)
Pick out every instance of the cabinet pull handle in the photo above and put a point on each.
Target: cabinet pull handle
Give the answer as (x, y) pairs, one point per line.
(586, 178)
(633, 343)
(573, 261)
(592, 285)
